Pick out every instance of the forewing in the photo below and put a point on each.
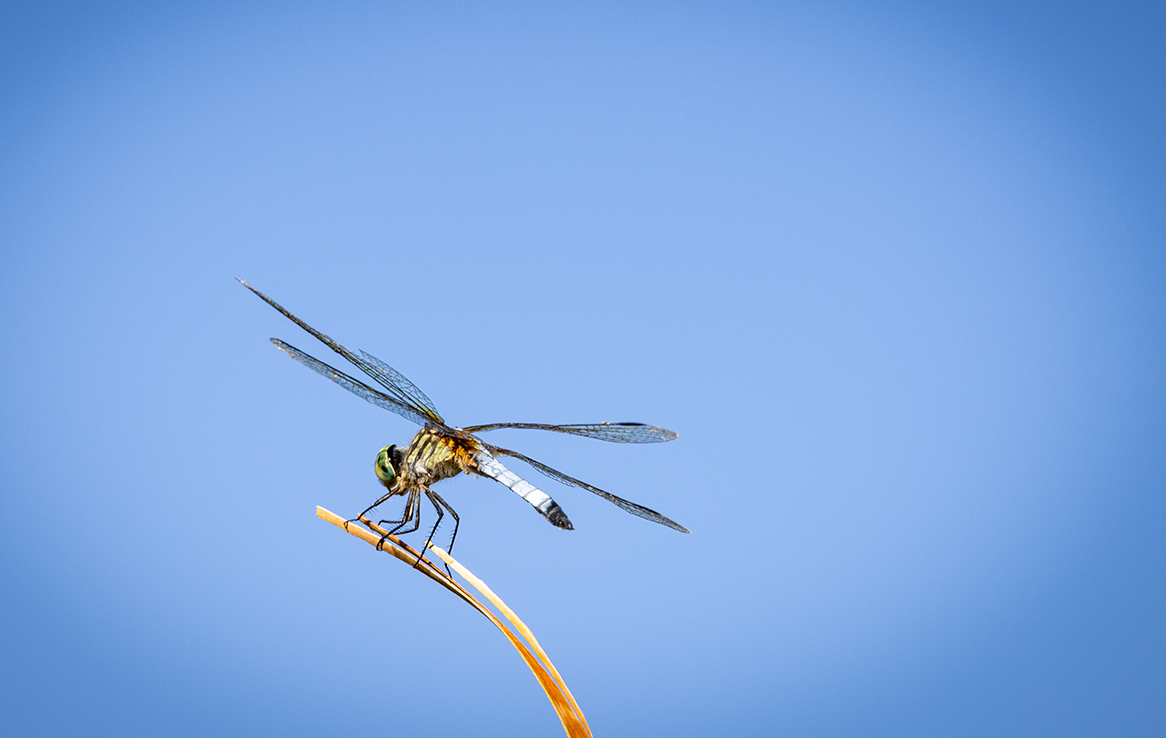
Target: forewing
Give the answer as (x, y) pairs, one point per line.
(400, 389)
(613, 432)
(558, 476)
(354, 386)
(390, 377)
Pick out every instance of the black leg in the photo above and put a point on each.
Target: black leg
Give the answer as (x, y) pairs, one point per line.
(411, 514)
(369, 509)
(440, 514)
(440, 503)
(437, 499)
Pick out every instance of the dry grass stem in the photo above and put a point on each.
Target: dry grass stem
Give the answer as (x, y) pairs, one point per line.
(540, 665)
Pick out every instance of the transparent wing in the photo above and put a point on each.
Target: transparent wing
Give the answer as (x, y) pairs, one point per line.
(614, 432)
(397, 387)
(389, 376)
(558, 476)
(354, 386)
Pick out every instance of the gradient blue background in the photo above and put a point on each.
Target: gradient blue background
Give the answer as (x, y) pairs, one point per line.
(894, 272)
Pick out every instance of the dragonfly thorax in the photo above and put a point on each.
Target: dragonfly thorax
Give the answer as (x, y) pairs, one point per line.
(433, 456)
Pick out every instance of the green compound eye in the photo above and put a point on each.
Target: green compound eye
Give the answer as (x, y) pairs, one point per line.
(384, 466)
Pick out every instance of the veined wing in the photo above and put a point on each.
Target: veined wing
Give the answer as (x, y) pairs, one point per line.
(614, 432)
(631, 507)
(355, 386)
(390, 377)
(406, 394)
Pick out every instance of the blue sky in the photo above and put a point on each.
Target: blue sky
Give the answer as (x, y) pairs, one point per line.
(894, 273)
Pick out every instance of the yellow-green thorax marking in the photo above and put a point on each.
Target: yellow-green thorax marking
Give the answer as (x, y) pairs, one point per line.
(431, 457)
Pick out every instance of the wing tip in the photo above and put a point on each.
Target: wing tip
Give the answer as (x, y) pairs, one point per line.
(658, 434)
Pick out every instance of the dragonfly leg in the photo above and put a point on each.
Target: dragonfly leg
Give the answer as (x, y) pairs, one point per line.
(369, 509)
(440, 514)
(438, 504)
(375, 505)
(411, 514)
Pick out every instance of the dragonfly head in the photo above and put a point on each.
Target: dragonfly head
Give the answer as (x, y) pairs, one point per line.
(388, 461)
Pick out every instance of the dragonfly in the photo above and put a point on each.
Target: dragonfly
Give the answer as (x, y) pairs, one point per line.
(440, 451)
